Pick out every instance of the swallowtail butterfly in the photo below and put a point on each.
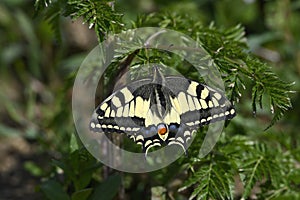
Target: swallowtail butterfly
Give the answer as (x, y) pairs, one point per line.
(161, 110)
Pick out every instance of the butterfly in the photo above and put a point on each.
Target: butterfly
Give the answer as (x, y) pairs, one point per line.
(161, 110)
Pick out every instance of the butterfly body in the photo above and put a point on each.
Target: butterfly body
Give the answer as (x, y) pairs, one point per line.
(161, 110)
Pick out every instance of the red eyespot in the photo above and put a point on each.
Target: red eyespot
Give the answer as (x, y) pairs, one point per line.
(162, 129)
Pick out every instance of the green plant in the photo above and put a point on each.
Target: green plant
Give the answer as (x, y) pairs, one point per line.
(263, 162)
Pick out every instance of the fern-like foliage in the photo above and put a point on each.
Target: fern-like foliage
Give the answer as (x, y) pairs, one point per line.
(258, 166)
(251, 163)
(213, 178)
(268, 83)
(227, 48)
(41, 4)
(100, 15)
(229, 51)
(256, 163)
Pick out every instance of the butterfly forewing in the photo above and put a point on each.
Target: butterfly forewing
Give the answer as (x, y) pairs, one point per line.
(121, 112)
(199, 103)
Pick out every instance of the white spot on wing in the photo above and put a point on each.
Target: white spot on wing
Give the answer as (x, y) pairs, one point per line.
(116, 101)
(135, 129)
(132, 137)
(109, 126)
(127, 94)
(204, 93)
(146, 106)
(174, 116)
(126, 110)
(218, 96)
(197, 104)
(139, 107)
(232, 111)
(156, 141)
(107, 112)
(190, 123)
(186, 133)
(93, 125)
(180, 139)
(131, 109)
(140, 137)
(103, 106)
(112, 113)
(192, 89)
(203, 104)
(216, 103)
(191, 103)
(176, 105)
(183, 102)
(148, 119)
(148, 142)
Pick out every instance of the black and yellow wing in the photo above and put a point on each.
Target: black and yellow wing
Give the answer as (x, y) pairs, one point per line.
(161, 110)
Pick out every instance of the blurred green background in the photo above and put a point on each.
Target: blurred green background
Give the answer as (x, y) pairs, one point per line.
(37, 66)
